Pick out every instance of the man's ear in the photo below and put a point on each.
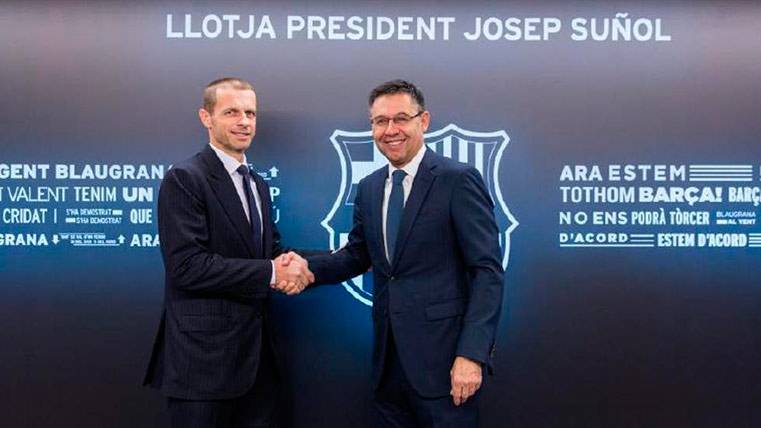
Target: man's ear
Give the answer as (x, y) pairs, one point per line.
(425, 120)
(205, 117)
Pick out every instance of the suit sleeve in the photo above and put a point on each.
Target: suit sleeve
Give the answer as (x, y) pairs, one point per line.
(184, 236)
(477, 236)
(351, 260)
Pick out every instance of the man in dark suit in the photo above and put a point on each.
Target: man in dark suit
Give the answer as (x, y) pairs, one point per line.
(214, 356)
(425, 224)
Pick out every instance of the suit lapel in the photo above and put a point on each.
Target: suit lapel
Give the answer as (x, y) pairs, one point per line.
(420, 187)
(375, 216)
(222, 185)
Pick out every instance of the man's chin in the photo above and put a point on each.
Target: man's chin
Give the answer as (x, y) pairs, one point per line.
(397, 162)
(393, 156)
(242, 146)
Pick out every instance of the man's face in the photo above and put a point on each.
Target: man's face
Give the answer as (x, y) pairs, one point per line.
(232, 123)
(399, 143)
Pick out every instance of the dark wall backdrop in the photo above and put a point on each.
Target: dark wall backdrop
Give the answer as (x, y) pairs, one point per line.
(609, 336)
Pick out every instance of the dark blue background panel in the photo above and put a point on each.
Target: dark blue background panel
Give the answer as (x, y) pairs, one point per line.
(621, 309)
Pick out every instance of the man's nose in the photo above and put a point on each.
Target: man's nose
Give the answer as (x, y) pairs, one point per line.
(391, 128)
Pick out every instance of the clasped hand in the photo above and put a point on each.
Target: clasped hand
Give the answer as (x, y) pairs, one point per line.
(292, 274)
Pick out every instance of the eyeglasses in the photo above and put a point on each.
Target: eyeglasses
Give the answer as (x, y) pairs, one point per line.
(400, 119)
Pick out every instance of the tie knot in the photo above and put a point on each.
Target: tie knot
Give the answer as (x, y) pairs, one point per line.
(398, 176)
(243, 170)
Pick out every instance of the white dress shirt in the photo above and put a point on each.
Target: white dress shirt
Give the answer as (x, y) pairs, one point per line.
(411, 170)
(231, 166)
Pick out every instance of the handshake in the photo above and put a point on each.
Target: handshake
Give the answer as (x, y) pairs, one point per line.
(292, 274)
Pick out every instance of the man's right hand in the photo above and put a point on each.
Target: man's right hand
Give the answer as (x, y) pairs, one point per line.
(292, 274)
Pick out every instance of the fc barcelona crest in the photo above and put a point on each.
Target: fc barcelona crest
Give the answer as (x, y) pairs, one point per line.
(359, 157)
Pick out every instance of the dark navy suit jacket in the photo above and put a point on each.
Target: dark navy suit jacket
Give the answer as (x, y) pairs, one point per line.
(442, 293)
(216, 293)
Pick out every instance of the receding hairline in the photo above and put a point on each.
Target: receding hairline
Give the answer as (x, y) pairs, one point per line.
(210, 92)
(395, 87)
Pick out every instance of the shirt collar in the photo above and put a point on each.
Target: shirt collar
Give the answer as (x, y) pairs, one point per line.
(413, 165)
(230, 163)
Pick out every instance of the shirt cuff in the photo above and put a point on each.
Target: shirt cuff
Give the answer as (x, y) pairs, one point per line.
(272, 278)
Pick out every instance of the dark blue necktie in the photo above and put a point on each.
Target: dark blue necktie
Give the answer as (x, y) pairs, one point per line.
(395, 209)
(253, 213)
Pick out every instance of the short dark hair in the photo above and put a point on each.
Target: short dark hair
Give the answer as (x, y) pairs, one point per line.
(210, 92)
(398, 86)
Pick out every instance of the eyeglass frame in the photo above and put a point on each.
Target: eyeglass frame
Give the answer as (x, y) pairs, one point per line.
(404, 117)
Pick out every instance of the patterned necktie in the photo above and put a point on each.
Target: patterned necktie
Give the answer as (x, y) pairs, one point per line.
(394, 213)
(253, 213)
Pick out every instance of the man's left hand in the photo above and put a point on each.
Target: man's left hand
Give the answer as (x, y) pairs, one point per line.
(466, 379)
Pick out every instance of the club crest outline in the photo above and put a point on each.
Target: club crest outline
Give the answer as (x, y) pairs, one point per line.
(358, 157)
